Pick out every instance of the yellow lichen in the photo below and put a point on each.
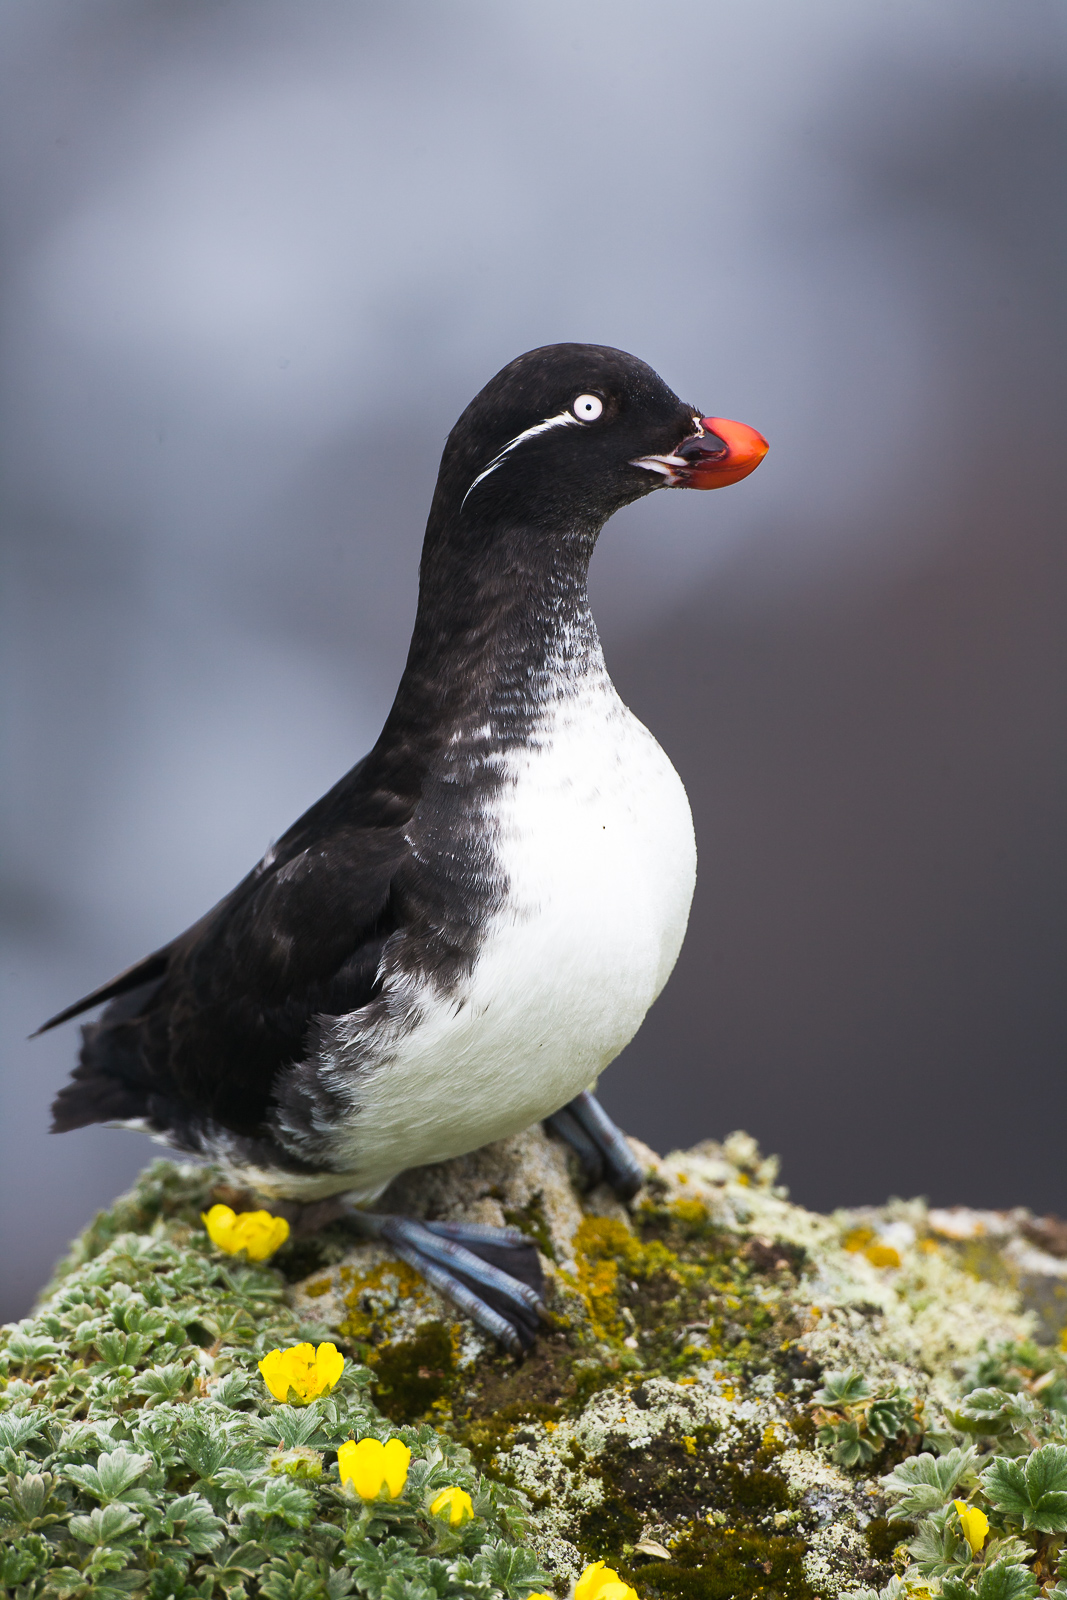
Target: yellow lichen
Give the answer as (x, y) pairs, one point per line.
(865, 1242)
(601, 1246)
(368, 1296)
(882, 1255)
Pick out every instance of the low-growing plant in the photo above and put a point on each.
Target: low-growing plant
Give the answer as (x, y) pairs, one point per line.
(141, 1454)
(856, 1422)
(988, 1499)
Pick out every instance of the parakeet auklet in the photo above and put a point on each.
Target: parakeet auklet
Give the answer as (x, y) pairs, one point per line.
(457, 939)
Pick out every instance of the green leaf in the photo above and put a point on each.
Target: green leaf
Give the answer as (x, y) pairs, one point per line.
(339, 1584)
(114, 1473)
(234, 1390)
(15, 1431)
(511, 1568)
(208, 1446)
(851, 1449)
(168, 1581)
(22, 1559)
(302, 1577)
(27, 1350)
(290, 1425)
(1033, 1492)
(138, 1317)
(399, 1587)
(164, 1383)
(1006, 1581)
(64, 1582)
(276, 1497)
(242, 1562)
(28, 1497)
(372, 1564)
(937, 1549)
(188, 1518)
(105, 1525)
(890, 1415)
(1006, 1547)
(995, 1411)
(1046, 1484)
(842, 1389)
(117, 1349)
(925, 1483)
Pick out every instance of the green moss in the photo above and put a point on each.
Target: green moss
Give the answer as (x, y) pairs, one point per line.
(883, 1536)
(531, 1220)
(607, 1529)
(411, 1376)
(485, 1437)
(712, 1563)
(751, 1486)
(678, 1481)
(589, 1379)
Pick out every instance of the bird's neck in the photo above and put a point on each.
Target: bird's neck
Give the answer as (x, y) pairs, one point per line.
(495, 640)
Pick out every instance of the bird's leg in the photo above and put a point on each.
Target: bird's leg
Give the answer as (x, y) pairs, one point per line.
(601, 1146)
(492, 1274)
(566, 1126)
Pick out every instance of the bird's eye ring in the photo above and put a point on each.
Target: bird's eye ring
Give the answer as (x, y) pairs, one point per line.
(587, 407)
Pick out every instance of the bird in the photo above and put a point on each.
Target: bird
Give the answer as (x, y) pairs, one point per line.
(456, 940)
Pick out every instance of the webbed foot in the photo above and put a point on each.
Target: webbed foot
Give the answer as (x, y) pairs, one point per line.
(492, 1274)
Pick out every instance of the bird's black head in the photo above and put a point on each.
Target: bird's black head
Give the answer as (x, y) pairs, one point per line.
(564, 436)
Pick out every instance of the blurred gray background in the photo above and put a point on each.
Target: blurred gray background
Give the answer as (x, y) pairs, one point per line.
(258, 257)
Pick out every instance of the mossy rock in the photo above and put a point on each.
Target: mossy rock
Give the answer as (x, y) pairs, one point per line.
(664, 1422)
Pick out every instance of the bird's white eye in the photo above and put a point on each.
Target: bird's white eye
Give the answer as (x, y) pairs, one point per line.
(587, 407)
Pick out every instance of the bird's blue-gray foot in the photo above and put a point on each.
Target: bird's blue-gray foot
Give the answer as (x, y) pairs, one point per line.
(600, 1146)
(491, 1274)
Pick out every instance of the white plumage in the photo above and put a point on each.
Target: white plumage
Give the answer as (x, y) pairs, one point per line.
(594, 832)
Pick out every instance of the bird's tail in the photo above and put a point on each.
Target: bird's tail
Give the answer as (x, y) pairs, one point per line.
(109, 1084)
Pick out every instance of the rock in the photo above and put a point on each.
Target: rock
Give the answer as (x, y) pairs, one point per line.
(724, 1380)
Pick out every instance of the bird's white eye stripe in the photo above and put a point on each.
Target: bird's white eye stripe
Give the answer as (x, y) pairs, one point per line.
(588, 407)
(563, 420)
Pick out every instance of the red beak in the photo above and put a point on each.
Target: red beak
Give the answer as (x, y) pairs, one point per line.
(718, 453)
(723, 453)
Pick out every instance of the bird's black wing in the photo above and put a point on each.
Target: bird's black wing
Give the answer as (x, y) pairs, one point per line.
(141, 973)
(199, 1030)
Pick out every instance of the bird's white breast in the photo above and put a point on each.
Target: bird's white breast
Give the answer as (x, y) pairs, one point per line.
(594, 834)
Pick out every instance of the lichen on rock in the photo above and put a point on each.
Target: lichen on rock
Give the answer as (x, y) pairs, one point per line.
(723, 1384)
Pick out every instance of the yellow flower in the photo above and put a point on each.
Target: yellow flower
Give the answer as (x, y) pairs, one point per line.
(302, 1371)
(690, 1444)
(375, 1470)
(599, 1582)
(455, 1505)
(257, 1233)
(975, 1525)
